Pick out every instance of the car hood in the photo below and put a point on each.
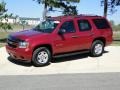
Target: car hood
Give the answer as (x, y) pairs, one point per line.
(26, 34)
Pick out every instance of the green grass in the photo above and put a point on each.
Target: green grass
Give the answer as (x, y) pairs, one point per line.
(3, 36)
(116, 38)
(16, 28)
(116, 43)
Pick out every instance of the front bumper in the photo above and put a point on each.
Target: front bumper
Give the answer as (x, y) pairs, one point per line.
(19, 53)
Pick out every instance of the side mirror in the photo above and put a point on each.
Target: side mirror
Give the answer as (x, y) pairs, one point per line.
(61, 31)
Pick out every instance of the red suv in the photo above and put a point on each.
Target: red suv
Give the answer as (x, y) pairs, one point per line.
(60, 35)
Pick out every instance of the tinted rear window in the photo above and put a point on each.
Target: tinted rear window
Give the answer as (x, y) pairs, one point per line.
(101, 23)
(84, 25)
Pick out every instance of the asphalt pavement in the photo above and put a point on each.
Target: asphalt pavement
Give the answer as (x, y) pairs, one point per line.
(96, 81)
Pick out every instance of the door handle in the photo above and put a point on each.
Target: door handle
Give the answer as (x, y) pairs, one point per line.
(75, 36)
(91, 34)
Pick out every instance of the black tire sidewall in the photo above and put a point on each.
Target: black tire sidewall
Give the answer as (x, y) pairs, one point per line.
(92, 51)
(36, 52)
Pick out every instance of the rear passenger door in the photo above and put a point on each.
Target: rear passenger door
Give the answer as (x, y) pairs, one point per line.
(85, 33)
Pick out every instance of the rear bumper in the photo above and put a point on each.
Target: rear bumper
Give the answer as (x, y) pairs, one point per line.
(19, 54)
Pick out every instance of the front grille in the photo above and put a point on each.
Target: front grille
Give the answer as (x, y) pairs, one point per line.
(12, 41)
(12, 44)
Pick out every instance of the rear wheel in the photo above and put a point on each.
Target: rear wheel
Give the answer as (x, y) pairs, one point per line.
(41, 57)
(97, 48)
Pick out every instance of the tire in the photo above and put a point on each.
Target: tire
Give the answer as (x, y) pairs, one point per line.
(41, 57)
(97, 48)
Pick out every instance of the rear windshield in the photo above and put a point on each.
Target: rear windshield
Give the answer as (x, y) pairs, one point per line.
(101, 23)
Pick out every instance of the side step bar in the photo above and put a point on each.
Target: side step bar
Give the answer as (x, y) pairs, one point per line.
(70, 54)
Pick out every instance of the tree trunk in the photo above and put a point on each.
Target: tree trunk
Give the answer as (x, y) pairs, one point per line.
(45, 11)
(105, 8)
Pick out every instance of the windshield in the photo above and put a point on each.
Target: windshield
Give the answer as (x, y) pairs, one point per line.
(47, 26)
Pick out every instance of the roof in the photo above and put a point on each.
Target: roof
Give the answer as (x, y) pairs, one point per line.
(71, 17)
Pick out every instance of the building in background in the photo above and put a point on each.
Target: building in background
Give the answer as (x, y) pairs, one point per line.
(30, 21)
(18, 20)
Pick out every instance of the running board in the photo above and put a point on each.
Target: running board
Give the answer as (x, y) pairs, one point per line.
(70, 54)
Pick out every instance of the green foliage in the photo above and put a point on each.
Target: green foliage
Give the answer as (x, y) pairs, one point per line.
(110, 6)
(71, 10)
(4, 16)
(5, 26)
(65, 5)
(115, 2)
(23, 23)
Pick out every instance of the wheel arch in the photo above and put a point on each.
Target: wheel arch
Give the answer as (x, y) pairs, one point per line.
(101, 39)
(48, 46)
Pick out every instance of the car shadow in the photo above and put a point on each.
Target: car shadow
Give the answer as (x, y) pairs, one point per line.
(22, 63)
(73, 57)
(105, 52)
(70, 58)
(26, 64)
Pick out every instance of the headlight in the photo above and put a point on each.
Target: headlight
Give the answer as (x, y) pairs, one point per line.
(23, 44)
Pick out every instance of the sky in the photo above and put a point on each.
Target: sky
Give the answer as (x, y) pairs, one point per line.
(30, 8)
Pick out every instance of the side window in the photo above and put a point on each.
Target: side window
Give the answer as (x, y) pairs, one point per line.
(84, 25)
(101, 23)
(68, 27)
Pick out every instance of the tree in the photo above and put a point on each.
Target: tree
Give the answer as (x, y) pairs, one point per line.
(71, 10)
(58, 4)
(15, 17)
(23, 23)
(115, 2)
(4, 17)
(68, 9)
(105, 7)
(109, 5)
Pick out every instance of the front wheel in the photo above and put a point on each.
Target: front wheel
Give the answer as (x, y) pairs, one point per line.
(97, 48)
(41, 57)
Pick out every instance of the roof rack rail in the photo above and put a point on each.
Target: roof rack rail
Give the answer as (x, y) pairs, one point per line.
(87, 15)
